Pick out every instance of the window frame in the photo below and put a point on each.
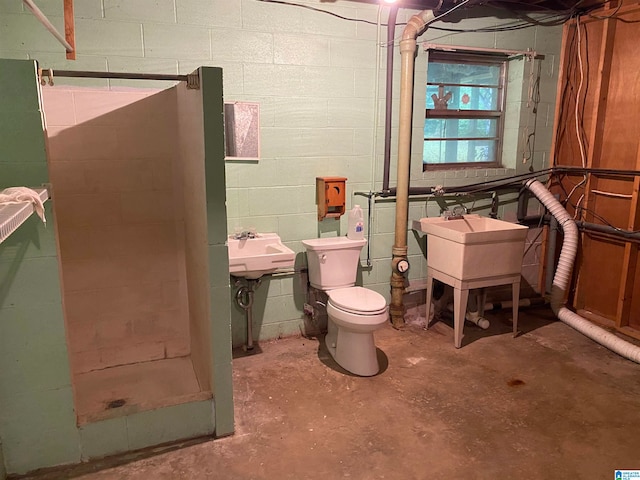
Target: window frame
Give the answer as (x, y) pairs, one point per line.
(458, 57)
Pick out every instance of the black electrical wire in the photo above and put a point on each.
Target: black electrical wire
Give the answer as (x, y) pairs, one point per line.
(505, 182)
(320, 10)
(535, 99)
(527, 21)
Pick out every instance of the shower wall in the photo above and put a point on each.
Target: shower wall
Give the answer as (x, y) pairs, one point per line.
(119, 213)
(192, 176)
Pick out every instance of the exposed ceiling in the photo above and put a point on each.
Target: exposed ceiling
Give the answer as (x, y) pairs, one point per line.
(504, 6)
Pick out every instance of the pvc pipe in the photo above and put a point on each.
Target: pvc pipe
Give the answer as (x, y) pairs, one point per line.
(522, 302)
(376, 105)
(47, 24)
(474, 317)
(407, 50)
(391, 32)
(551, 253)
(563, 274)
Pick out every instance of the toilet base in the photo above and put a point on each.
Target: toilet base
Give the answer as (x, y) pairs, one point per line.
(358, 354)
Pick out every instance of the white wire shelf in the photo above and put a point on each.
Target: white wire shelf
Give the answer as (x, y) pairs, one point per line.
(14, 215)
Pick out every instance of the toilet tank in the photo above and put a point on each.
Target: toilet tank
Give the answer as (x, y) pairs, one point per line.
(333, 262)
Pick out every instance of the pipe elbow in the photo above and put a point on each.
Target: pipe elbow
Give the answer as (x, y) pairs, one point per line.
(416, 24)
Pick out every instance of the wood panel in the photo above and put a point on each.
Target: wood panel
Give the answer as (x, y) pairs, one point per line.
(599, 275)
(634, 301)
(607, 270)
(70, 28)
(623, 97)
(567, 148)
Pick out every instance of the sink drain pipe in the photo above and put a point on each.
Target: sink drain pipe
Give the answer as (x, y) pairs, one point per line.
(415, 26)
(244, 299)
(563, 274)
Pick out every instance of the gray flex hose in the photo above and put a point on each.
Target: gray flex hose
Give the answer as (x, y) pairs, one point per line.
(563, 275)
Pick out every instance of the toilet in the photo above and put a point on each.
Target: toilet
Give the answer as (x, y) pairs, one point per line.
(354, 312)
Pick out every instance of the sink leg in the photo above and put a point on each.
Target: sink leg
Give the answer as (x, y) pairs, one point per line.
(516, 300)
(482, 300)
(460, 297)
(429, 296)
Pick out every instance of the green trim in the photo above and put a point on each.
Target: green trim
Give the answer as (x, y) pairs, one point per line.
(220, 317)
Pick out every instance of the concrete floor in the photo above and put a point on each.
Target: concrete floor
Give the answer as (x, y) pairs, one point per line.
(548, 404)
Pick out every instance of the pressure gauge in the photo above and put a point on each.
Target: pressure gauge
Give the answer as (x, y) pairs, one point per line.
(402, 265)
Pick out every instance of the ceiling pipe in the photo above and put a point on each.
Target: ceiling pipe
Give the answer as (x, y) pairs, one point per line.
(415, 26)
(47, 24)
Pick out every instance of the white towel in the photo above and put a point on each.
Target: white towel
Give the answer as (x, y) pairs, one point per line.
(12, 195)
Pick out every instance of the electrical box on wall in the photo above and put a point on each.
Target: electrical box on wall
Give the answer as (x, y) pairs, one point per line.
(330, 196)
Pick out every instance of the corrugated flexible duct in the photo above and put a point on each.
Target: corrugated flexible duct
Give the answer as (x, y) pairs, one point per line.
(415, 26)
(563, 275)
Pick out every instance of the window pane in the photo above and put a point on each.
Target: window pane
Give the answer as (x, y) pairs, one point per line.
(464, 98)
(465, 73)
(464, 103)
(458, 151)
(460, 128)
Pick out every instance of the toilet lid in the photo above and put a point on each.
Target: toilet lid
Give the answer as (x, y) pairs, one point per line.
(357, 299)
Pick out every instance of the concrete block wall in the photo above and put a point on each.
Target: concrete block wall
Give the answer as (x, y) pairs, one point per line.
(314, 76)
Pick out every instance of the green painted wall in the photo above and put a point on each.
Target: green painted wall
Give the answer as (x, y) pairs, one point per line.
(314, 76)
(3, 471)
(37, 421)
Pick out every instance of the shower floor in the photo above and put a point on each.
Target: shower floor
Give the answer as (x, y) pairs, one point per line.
(127, 389)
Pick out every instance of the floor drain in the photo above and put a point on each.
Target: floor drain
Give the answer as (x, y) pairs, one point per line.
(116, 403)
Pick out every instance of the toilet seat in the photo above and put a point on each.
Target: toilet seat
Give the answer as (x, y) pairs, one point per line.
(358, 300)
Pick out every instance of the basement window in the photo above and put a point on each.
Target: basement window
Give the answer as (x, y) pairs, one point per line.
(464, 112)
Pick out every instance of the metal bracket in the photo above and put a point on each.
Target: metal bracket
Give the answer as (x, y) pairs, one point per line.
(49, 188)
(45, 72)
(193, 81)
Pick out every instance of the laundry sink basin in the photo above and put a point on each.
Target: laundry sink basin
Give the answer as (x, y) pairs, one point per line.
(254, 257)
(473, 247)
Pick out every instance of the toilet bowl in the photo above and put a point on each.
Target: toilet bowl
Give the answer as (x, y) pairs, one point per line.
(354, 312)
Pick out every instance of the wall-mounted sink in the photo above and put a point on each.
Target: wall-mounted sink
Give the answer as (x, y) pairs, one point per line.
(253, 257)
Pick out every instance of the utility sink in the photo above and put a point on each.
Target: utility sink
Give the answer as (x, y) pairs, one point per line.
(472, 246)
(261, 255)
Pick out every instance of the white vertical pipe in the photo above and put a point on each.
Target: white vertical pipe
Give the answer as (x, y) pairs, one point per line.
(407, 51)
(48, 25)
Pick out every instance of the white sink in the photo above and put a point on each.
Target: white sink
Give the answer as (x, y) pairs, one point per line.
(255, 257)
(473, 247)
